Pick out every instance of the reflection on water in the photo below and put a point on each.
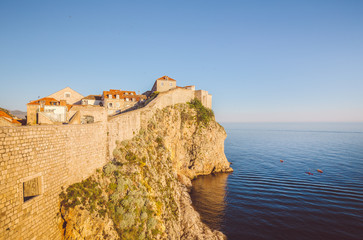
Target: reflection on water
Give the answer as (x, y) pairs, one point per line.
(208, 196)
(268, 199)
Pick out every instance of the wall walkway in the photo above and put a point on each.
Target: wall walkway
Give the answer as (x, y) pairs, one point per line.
(126, 125)
(42, 159)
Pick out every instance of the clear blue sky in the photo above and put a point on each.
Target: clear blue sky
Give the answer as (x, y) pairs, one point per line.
(261, 60)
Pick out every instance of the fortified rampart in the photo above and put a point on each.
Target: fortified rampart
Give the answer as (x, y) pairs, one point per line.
(43, 159)
(125, 125)
(37, 161)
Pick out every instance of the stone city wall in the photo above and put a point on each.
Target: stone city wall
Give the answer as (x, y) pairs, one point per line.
(126, 125)
(98, 113)
(36, 161)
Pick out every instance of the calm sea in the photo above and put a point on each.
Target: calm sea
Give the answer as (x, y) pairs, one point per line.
(267, 199)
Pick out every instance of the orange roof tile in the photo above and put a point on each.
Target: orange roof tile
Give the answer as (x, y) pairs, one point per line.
(166, 78)
(46, 100)
(121, 93)
(8, 117)
(4, 114)
(93, 97)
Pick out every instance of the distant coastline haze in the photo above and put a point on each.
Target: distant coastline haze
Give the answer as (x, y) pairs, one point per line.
(263, 61)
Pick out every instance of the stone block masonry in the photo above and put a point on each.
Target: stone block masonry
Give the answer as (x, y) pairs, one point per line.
(39, 161)
(126, 125)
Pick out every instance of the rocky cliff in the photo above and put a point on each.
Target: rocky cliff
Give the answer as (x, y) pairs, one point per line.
(143, 192)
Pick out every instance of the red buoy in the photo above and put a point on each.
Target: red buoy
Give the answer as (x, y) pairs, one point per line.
(319, 170)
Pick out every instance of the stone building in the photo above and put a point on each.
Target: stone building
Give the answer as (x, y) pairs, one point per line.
(68, 94)
(204, 97)
(166, 83)
(163, 84)
(39, 161)
(7, 120)
(116, 101)
(47, 111)
(52, 109)
(84, 114)
(95, 100)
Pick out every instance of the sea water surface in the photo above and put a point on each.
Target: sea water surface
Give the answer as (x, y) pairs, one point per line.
(267, 199)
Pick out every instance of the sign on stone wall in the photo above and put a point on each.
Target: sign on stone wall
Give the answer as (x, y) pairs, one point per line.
(31, 188)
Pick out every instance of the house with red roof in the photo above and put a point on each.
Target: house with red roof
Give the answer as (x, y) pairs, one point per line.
(47, 111)
(93, 100)
(67, 94)
(164, 84)
(53, 109)
(116, 101)
(7, 120)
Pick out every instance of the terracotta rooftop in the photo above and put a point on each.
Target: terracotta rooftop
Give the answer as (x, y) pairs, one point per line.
(166, 78)
(46, 100)
(49, 101)
(93, 97)
(115, 92)
(7, 117)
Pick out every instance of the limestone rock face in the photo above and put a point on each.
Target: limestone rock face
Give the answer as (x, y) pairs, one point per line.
(196, 149)
(143, 192)
(81, 224)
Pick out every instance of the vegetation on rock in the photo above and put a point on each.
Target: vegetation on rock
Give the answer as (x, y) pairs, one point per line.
(140, 191)
(204, 115)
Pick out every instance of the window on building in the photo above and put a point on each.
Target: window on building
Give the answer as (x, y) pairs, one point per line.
(32, 188)
(126, 99)
(126, 93)
(134, 99)
(170, 84)
(162, 84)
(132, 93)
(110, 96)
(67, 94)
(110, 105)
(117, 96)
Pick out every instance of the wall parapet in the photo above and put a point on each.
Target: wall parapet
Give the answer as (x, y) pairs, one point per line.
(126, 125)
(54, 156)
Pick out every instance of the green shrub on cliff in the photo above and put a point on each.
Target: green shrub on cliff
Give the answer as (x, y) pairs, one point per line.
(204, 115)
(131, 189)
(137, 189)
(86, 193)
